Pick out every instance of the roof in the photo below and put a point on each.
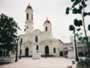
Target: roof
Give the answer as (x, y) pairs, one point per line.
(68, 43)
(29, 6)
(47, 21)
(60, 41)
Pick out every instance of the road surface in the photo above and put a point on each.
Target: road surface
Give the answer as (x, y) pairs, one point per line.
(39, 63)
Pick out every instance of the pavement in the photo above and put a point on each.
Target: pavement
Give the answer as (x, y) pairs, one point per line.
(40, 63)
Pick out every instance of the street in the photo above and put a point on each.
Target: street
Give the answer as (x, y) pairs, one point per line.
(39, 63)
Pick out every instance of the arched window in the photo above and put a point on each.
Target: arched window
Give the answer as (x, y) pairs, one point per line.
(36, 38)
(46, 28)
(27, 16)
(54, 50)
(37, 47)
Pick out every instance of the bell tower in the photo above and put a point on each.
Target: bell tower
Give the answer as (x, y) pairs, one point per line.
(29, 19)
(47, 26)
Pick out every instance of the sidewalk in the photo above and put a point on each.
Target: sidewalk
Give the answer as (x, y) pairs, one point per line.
(40, 63)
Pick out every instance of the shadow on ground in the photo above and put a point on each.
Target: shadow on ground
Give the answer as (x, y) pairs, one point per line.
(4, 63)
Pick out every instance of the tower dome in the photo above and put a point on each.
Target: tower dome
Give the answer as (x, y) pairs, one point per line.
(47, 26)
(47, 21)
(29, 6)
(29, 19)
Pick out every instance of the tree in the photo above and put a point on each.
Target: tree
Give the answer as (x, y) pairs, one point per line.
(78, 7)
(8, 33)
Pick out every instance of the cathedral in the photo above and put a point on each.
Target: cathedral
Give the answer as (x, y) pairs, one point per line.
(34, 43)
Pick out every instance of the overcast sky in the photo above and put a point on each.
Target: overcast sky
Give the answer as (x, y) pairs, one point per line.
(53, 9)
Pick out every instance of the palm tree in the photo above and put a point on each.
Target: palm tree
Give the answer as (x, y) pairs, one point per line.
(78, 7)
(72, 28)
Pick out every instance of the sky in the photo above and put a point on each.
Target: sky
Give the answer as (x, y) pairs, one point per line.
(53, 9)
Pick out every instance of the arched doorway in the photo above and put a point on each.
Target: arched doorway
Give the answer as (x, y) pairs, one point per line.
(27, 52)
(61, 53)
(54, 50)
(46, 51)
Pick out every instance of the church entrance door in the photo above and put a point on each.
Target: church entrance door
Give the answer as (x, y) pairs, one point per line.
(61, 53)
(27, 52)
(46, 51)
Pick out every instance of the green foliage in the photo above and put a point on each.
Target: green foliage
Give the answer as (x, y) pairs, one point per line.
(80, 38)
(85, 38)
(84, 4)
(8, 32)
(74, 11)
(80, 7)
(77, 8)
(71, 28)
(78, 29)
(76, 2)
(86, 13)
(72, 0)
(81, 4)
(67, 10)
(77, 22)
(77, 11)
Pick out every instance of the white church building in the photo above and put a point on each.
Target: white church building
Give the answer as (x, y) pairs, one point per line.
(38, 43)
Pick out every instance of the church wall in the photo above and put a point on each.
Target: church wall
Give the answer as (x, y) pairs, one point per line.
(51, 43)
(51, 47)
(23, 51)
(24, 46)
(56, 46)
(42, 51)
(45, 36)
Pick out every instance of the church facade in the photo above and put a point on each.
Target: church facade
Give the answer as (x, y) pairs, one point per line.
(36, 42)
